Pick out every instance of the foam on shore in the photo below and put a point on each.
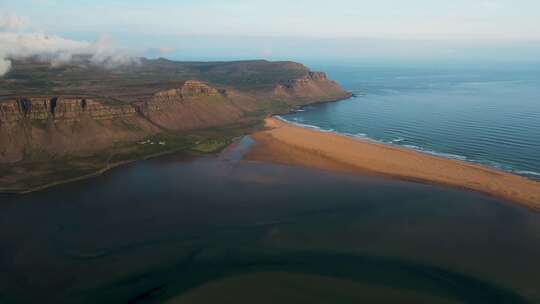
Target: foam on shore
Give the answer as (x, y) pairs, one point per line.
(296, 144)
(402, 142)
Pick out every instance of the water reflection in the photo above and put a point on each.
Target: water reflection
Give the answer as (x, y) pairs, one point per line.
(153, 230)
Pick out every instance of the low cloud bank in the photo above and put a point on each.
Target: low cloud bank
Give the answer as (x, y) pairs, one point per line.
(58, 51)
(10, 22)
(5, 66)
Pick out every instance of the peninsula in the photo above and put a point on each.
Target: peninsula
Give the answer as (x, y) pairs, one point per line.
(292, 145)
(61, 123)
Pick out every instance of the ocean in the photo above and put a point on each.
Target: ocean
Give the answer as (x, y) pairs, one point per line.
(218, 228)
(488, 115)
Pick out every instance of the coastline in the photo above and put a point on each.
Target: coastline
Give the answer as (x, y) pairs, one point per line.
(289, 144)
(348, 95)
(114, 165)
(99, 172)
(110, 166)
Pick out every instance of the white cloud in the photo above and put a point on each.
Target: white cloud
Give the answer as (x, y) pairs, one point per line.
(22, 45)
(55, 49)
(104, 52)
(5, 66)
(12, 22)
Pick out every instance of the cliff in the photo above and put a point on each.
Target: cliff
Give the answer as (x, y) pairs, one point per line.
(194, 105)
(59, 108)
(313, 87)
(60, 125)
(108, 113)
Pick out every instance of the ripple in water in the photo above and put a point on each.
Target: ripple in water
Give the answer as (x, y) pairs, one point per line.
(486, 117)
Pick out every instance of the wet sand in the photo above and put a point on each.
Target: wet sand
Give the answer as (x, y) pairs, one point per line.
(292, 145)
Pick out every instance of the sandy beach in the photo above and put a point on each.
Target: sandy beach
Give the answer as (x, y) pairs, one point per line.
(286, 143)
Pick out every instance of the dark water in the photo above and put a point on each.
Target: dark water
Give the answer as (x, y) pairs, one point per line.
(152, 230)
(488, 115)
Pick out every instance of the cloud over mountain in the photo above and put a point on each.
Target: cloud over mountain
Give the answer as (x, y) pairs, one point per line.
(18, 44)
(10, 21)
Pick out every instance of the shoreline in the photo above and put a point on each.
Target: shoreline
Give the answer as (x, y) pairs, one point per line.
(522, 173)
(288, 144)
(20, 191)
(349, 95)
(86, 176)
(113, 166)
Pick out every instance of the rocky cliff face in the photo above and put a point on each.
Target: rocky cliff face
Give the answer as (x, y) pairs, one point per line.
(60, 125)
(314, 87)
(190, 88)
(193, 105)
(59, 108)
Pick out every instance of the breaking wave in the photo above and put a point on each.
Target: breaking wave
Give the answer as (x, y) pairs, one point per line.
(400, 142)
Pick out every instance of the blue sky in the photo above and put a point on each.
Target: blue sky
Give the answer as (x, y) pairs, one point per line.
(352, 29)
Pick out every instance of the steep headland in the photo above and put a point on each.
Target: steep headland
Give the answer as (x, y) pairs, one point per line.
(60, 123)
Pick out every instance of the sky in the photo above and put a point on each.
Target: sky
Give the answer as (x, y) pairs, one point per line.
(506, 30)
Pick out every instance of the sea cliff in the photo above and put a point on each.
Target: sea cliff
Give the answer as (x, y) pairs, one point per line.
(112, 116)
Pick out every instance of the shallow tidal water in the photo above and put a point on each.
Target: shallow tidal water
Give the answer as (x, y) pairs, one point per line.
(217, 228)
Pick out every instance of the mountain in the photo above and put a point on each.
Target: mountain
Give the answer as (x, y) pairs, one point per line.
(60, 123)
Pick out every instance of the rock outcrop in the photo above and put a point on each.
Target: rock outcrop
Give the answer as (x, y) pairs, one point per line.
(60, 108)
(66, 124)
(190, 88)
(194, 105)
(312, 88)
(60, 125)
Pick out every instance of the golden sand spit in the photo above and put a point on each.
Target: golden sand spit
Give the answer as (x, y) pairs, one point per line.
(289, 144)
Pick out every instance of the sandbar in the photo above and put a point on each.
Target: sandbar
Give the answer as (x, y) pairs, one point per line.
(285, 143)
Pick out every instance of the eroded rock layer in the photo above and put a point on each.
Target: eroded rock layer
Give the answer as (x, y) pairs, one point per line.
(314, 87)
(65, 124)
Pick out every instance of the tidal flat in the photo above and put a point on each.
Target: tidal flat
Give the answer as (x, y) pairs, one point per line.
(175, 227)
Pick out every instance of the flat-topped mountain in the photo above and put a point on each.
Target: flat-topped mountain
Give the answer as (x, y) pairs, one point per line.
(62, 114)
(132, 82)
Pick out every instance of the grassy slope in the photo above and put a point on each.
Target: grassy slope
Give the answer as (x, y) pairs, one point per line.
(130, 84)
(40, 171)
(135, 82)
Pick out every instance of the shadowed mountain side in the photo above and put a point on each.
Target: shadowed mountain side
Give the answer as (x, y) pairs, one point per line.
(65, 125)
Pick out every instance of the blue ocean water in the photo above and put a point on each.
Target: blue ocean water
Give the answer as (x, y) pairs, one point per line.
(488, 115)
